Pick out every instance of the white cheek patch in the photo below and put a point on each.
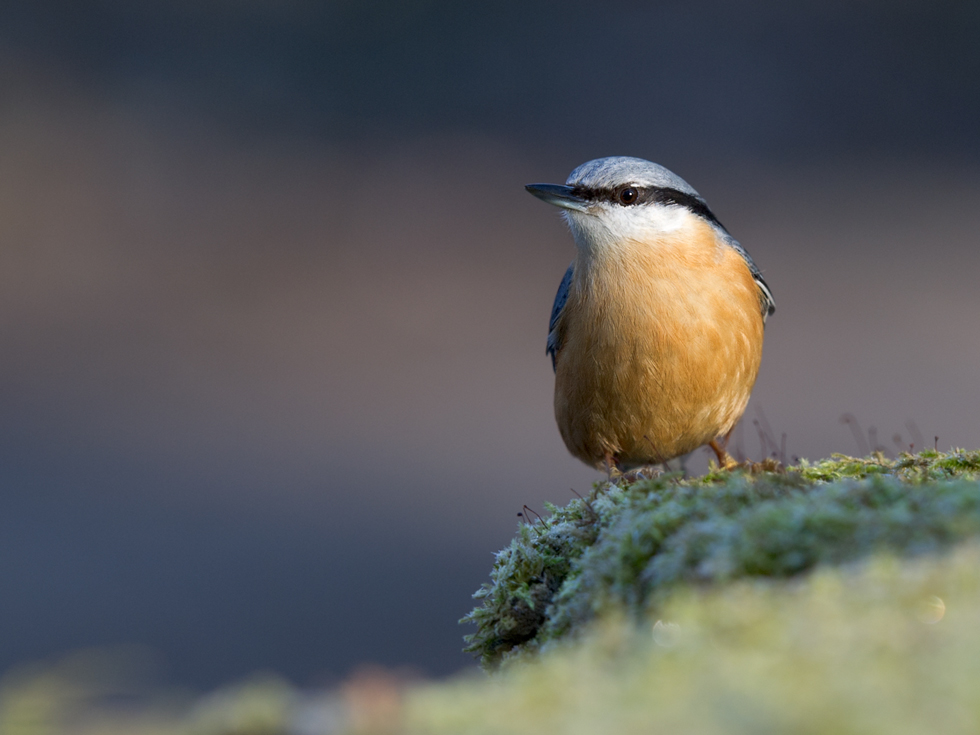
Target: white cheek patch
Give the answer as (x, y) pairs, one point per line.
(669, 219)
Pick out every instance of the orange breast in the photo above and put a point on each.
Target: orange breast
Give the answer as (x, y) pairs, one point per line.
(660, 348)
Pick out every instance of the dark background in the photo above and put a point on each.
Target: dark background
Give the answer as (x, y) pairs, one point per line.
(273, 300)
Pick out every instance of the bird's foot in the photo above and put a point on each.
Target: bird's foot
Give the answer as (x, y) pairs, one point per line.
(616, 476)
(647, 472)
(725, 460)
(769, 464)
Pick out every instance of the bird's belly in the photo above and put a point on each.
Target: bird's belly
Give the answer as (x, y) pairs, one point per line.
(647, 385)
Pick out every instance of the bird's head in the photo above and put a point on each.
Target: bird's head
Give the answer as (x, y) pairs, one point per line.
(611, 200)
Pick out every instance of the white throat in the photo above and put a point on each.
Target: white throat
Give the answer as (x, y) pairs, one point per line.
(610, 228)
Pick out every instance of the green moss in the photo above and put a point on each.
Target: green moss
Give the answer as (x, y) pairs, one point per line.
(887, 645)
(630, 545)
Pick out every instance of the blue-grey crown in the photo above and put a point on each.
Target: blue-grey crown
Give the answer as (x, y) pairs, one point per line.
(608, 173)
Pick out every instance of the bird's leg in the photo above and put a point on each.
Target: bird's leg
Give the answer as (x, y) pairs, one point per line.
(725, 460)
(612, 467)
(613, 473)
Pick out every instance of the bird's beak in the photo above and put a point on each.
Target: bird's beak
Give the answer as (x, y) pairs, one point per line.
(559, 195)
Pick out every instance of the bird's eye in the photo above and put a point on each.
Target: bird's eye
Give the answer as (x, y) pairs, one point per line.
(628, 195)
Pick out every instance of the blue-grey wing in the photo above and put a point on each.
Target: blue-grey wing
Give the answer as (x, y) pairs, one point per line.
(766, 301)
(560, 298)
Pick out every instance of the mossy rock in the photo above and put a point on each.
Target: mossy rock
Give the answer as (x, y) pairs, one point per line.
(626, 547)
(889, 645)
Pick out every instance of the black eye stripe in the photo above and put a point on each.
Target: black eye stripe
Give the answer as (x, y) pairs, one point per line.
(646, 194)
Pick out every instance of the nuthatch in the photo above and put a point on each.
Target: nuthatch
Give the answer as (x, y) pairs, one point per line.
(656, 332)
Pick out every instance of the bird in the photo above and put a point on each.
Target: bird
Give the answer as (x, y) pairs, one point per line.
(656, 331)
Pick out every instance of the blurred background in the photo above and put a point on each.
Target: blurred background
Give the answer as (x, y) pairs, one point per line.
(273, 300)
